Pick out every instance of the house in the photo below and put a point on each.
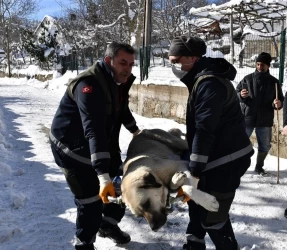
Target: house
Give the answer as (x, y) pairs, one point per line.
(2, 54)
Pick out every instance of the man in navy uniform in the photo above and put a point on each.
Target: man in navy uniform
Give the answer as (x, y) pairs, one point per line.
(85, 142)
(219, 148)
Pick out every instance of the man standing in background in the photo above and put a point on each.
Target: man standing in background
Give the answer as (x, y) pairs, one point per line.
(257, 96)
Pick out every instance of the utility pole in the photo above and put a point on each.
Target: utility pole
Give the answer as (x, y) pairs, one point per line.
(231, 38)
(147, 37)
(147, 32)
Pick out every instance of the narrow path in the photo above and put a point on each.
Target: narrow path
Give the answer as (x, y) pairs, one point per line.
(39, 194)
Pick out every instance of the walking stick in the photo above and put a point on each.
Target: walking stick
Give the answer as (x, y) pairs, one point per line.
(276, 89)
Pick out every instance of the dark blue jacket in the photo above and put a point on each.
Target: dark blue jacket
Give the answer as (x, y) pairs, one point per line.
(258, 107)
(83, 129)
(215, 131)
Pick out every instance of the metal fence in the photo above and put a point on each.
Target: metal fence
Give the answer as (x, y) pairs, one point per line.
(245, 54)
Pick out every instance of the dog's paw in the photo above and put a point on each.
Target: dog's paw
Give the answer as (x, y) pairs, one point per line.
(203, 199)
(206, 200)
(177, 180)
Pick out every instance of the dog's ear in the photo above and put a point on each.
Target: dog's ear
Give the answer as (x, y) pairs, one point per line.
(149, 181)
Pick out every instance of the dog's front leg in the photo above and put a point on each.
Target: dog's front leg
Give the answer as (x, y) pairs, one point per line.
(206, 200)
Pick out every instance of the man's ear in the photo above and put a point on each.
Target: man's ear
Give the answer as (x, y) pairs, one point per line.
(108, 60)
(195, 59)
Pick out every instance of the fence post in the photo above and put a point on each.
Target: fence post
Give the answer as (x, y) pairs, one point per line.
(282, 56)
(146, 60)
(141, 64)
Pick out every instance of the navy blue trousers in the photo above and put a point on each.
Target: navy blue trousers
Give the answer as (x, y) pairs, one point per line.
(221, 182)
(84, 184)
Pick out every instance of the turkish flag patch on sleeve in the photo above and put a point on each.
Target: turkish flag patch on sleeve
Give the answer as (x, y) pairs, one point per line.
(87, 89)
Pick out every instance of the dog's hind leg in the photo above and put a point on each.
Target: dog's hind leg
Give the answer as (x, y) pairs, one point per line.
(177, 180)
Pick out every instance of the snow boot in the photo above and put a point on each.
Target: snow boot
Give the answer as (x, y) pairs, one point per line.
(192, 245)
(108, 230)
(85, 247)
(80, 246)
(260, 163)
(224, 238)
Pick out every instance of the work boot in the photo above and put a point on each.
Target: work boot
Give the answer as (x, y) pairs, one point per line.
(80, 246)
(224, 238)
(260, 163)
(191, 245)
(108, 230)
(261, 171)
(85, 247)
(194, 243)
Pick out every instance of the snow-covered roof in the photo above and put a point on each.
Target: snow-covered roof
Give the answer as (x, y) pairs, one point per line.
(248, 10)
(46, 18)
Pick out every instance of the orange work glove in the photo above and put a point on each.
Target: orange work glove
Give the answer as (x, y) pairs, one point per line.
(193, 182)
(106, 187)
(180, 193)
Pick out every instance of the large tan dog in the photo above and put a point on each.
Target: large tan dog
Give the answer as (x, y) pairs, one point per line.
(152, 167)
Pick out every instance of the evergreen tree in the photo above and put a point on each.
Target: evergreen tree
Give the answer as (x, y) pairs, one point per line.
(43, 48)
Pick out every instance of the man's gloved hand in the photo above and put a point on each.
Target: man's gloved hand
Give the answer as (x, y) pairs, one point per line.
(180, 193)
(106, 187)
(193, 183)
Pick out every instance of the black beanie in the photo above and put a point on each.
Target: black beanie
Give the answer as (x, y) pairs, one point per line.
(183, 46)
(264, 58)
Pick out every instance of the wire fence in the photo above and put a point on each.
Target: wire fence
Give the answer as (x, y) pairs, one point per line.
(245, 53)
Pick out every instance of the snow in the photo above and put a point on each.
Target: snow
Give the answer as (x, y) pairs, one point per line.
(37, 209)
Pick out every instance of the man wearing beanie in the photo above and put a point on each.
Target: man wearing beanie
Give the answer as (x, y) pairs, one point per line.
(219, 149)
(257, 95)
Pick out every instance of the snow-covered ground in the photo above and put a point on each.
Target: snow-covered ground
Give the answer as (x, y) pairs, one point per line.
(37, 209)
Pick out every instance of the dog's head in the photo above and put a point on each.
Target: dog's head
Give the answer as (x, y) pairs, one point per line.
(146, 197)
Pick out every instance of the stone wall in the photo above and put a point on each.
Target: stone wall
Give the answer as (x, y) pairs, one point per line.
(41, 78)
(159, 101)
(170, 102)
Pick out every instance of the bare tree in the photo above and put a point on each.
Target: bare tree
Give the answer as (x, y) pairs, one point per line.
(11, 13)
(170, 17)
(87, 25)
